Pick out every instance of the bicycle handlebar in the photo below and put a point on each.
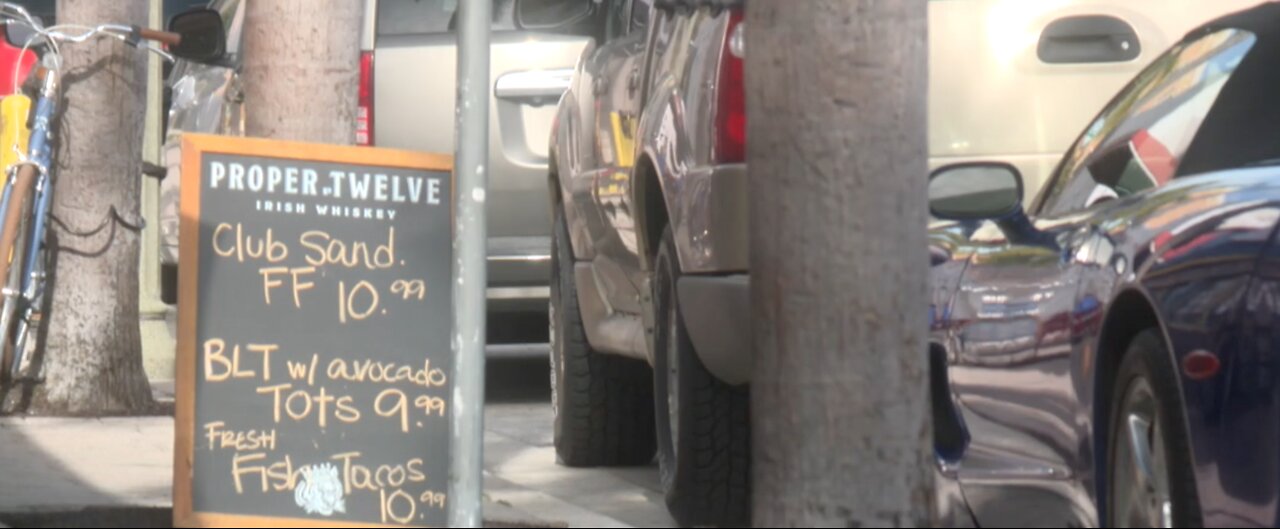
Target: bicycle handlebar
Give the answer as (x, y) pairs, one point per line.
(164, 37)
(75, 33)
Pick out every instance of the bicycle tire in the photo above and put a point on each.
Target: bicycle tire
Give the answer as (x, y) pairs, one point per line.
(12, 231)
(28, 314)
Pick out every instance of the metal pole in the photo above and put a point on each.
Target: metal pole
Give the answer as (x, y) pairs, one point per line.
(470, 276)
(157, 343)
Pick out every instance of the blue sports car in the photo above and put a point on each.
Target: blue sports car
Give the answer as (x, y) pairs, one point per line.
(1109, 354)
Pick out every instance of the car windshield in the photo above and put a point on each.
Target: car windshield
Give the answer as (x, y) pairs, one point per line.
(550, 13)
(431, 17)
(426, 17)
(47, 10)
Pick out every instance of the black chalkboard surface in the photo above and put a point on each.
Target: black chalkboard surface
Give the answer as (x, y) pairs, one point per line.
(315, 309)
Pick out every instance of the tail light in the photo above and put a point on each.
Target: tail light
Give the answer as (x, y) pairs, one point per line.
(364, 112)
(731, 103)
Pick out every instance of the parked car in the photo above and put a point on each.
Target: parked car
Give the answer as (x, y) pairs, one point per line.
(1014, 80)
(1110, 348)
(407, 98)
(649, 257)
(201, 98)
(650, 304)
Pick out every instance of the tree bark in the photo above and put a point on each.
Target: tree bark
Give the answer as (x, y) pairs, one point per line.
(839, 268)
(93, 350)
(302, 69)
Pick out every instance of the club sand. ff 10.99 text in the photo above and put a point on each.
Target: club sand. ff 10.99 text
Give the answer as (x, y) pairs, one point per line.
(315, 313)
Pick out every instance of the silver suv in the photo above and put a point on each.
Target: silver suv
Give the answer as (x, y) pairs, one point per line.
(407, 101)
(650, 256)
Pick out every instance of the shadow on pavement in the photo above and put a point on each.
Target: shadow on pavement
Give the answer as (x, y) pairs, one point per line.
(118, 472)
(140, 517)
(145, 517)
(55, 465)
(520, 461)
(518, 380)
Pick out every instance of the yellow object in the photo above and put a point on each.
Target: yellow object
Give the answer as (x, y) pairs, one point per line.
(624, 132)
(13, 131)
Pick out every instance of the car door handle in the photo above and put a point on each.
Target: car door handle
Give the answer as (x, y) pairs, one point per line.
(534, 86)
(1087, 40)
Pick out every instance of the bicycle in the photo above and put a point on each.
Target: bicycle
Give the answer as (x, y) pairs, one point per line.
(26, 200)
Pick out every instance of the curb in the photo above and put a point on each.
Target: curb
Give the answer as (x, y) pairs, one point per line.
(154, 517)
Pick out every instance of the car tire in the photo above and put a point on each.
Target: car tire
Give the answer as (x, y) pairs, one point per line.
(602, 404)
(704, 451)
(1147, 423)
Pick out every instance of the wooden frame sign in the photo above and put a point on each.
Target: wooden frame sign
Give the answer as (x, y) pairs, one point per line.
(315, 314)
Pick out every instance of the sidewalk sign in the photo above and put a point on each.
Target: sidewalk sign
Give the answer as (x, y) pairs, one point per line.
(315, 315)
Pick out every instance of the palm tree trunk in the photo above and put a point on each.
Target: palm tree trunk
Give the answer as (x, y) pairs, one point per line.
(93, 349)
(302, 69)
(837, 167)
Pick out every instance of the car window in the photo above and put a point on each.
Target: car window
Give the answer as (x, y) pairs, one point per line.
(173, 7)
(640, 15)
(47, 10)
(425, 17)
(1145, 136)
(540, 14)
(431, 17)
(232, 22)
(616, 23)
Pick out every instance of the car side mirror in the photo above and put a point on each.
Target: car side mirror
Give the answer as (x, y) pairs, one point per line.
(204, 39)
(19, 34)
(975, 191)
(547, 15)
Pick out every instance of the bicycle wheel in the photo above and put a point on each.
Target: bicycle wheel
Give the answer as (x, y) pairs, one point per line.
(29, 312)
(13, 246)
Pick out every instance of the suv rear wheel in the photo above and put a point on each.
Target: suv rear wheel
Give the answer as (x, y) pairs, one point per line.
(704, 436)
(603, 404)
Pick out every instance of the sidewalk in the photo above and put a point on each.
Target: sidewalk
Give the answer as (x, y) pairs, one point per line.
(61, 465)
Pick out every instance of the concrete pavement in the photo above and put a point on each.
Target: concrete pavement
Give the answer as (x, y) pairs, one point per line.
(63, 465)
(520, 470)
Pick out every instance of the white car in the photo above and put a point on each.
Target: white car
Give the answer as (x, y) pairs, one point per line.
(1011, 80)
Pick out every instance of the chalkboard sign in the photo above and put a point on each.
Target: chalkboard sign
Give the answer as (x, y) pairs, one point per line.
(315, 309)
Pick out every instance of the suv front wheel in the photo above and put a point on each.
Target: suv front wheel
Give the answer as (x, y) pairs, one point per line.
(602, 403)
(704, 436)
